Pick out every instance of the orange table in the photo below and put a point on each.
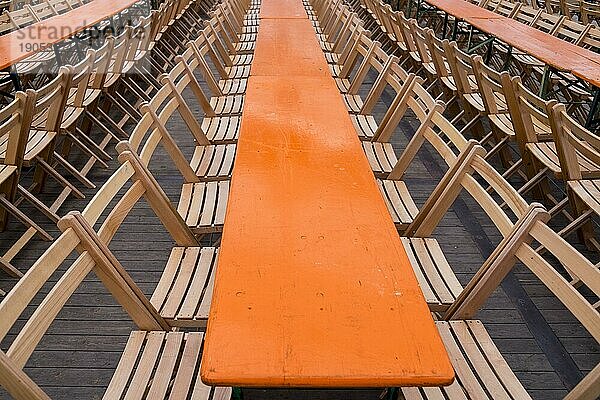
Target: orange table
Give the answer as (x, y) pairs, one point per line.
(313, 286)
(557, 53)
(25, 42)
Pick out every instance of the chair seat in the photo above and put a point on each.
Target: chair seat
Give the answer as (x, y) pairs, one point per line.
(326, 46)
(184, 292)
(435, 276)
(354, 103)
(335, 69)
(70, 117)
(365, 125)
(242, 59)
(37, 142)
(213, 162)
(503, 122)
(332, 58)
(238, 71)
(222, 129)
(202, 206)
(481, 371)
(546, 153)
(40, 56)
(245, 46)
(381, 156)
(342, 84)
(527, 60)
(588, 190)
(250, 29)
(6, 171)
(247, 37)
(162, 365)
(399, 202)
(233, 86)
(232, 104)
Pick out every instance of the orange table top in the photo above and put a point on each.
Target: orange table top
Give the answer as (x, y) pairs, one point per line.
(313, 287)
(20, 44)
(287, 42)
(283, 9)
(563, 56)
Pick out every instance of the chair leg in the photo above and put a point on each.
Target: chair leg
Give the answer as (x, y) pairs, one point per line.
(34, 201)
(7, 267)
(73, 171)
(58, 177)
(23, 218)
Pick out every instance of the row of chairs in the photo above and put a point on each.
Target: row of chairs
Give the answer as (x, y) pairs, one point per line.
(161, 358)
(585, 11)
(531, 137)
(526, 238)
(80, 111)
(505, 57)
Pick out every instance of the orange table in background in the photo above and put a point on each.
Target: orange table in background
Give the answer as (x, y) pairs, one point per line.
(562, 55)
(20, 44)
(313, 287)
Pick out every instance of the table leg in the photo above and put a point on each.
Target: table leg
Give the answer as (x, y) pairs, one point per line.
(545, 82)
(14, 77)
(591, 120)
(455, 29)
(236, 394)
(445, 28)
(392, 394)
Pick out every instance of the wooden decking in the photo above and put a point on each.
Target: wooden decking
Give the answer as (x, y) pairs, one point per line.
(77, 357)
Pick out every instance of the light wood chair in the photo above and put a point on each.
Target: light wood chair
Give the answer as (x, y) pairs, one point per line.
(14, 119)
(579, 155)
(480, 367)
(590, 11)
(218, 128)
(203, 201)
(149, 349)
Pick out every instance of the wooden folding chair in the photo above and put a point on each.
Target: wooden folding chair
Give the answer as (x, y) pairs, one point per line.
(202, 204)
(579, 155)
(393, 81)
(154, 343)
(47, 111)
(590, 11)
(14, 119)
(480, 367)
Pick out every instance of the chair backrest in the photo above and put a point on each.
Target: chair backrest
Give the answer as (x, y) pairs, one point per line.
(590, 11)
(549, 23)
(14, 117)
(48, 108)
(572, 31)
(573, 141)
(492, 86)
(60, 6)
(437, 49)
(79, 235)
(42, 10)
(152, 131)
(418, 35)
(591, 40)
(81, 74)
(530, 115)
(434, 129)
(21, 18)
(461, 67)
(528, 15)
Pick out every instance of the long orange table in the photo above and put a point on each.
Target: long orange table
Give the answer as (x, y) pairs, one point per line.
(23, 43)
(313, 287)
(557, 53)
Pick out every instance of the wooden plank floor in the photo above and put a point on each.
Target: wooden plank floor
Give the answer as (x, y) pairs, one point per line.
(77, 357)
